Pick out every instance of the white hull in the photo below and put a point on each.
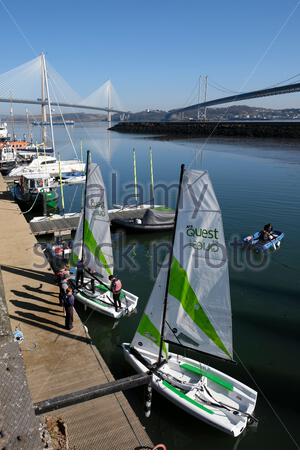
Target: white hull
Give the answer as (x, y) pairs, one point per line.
(102, 302)
(193, 392)
(67, 166)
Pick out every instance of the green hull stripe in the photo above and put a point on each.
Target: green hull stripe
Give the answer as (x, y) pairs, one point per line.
(180, 288)
(147, 329)
(190, 400)
(209, 375)
(93, 247)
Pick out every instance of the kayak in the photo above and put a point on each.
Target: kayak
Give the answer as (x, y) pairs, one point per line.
(253, 241)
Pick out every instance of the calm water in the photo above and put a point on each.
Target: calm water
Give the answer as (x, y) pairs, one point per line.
(256, 182)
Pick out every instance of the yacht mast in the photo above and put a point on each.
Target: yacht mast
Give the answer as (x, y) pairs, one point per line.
(49, 102)
(43, 106)
(169, 268)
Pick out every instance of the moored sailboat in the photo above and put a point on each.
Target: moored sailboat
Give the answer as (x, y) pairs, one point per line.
(190, 307)
(93, 246)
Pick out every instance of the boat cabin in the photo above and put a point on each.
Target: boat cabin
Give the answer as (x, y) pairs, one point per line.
(35, 182)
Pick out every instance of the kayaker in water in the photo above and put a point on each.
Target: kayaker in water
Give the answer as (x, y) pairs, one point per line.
(266, 233)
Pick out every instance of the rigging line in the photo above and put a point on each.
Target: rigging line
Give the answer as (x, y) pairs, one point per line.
(271, 43)
(269, 403)
(253, 71)
(66, 127)
(18, 27)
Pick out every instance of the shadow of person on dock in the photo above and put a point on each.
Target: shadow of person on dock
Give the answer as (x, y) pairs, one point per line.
(37, 319)
(34, 307)
(53, 330)
(39, 290)
(42, 276)
(25, 295)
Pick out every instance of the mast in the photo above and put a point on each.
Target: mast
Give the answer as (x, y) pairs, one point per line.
(151, 179)
(199, 96)
(12, 118)
(205, 97)
(61, 186)
(49, 102)
(88, 157)
(135, 178)
(108, 103)
(43, 106)
(169, 267)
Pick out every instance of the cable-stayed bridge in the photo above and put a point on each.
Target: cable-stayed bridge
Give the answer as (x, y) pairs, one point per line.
(23, 84)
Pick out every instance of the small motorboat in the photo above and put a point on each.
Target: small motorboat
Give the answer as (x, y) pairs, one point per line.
(254, 242)
(154, 220)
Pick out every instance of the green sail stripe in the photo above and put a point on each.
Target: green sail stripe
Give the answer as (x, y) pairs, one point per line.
(209, 375)
(182, 395)
(180, 288)
(94, 248)
(147, 329)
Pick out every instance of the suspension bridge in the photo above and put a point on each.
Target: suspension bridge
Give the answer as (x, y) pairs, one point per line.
(20, 85)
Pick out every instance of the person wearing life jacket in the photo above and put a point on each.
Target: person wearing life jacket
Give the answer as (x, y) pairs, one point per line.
(116, 287)
(266, 234)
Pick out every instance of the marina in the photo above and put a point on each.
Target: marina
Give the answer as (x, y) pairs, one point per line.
(58, 362)
(149, 208)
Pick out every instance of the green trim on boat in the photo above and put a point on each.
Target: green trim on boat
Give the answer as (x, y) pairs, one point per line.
(147, 329)
(180, 288)
(93, 247)
(209, 375)
(182, 395)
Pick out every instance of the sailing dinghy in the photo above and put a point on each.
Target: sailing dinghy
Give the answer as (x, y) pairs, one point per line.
(93, 246)
(190, 307)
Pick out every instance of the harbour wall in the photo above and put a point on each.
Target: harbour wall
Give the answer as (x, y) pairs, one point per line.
(262, 129)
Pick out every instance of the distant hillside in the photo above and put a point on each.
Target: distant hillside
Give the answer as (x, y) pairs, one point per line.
(231, 113)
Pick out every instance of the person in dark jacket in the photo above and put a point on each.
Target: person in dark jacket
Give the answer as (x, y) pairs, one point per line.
(266, 233)
(69, 308)
(79, 273)
(116, 287)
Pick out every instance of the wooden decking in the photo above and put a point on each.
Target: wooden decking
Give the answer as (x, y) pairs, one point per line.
(58, 361)
(68, 223)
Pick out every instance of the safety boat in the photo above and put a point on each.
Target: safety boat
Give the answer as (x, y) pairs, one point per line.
(253, 242)
(35, 190)
(190, 307)
(154, 220)
(92, 245)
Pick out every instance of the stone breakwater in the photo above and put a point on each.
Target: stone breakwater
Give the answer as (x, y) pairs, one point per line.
(270, 129)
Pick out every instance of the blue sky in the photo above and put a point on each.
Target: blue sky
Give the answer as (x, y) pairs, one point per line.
(154, 51)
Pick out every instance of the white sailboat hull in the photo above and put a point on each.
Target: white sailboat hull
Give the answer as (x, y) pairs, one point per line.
(102, 300)
(197, 388)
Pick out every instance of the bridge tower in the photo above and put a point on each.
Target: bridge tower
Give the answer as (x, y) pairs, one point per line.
(109, 103)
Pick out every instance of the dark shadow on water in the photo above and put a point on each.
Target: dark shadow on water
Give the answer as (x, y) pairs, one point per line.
(53, 330)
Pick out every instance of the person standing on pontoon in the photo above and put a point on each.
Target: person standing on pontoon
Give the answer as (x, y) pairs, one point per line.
(79, 273)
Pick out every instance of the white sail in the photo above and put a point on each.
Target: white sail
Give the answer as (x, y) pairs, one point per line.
(77, 244)
(198, 312)
(148, 333)
(97, 246)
